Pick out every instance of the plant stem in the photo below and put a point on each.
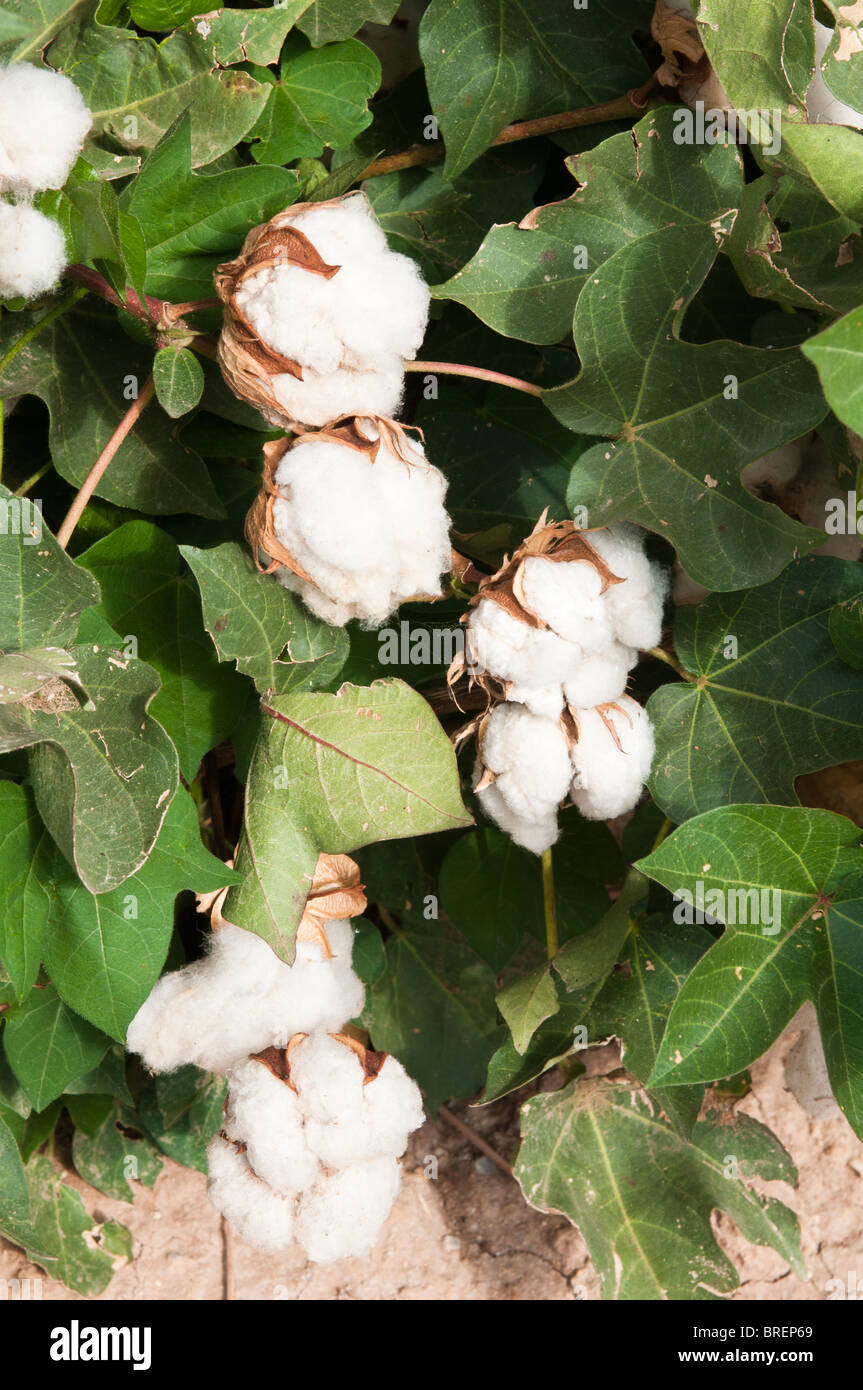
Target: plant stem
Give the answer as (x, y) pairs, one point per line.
(91, 482)
(670, 661)
(159, 314)
(661, 833)
(480, 373)
(33, 480)
(633, 103)
(549, 905)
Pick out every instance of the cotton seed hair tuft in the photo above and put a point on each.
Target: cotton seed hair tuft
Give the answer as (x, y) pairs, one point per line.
(43, 123)
(32, 252)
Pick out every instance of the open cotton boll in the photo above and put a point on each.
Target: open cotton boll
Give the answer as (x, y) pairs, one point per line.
(390, 1109)
(530, 756)
(32, 252)
(547, 702)
(43, 122)
(324, 396)
(328, 1076)
(241, 999)
(536, 834)
(601, 677)
(568, 596)
(370, 532)
(607, 779)
(342, 1215)
(265, 1114)
(514, 651)
(821, 105)
(260, 1216)
(634, 607)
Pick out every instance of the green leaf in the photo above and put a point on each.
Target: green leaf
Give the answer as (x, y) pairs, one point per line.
(15, 1216)
(24, 674)
(772, 703)
(144, 596)
(88, 371)
(108, 1079)
(527, 1003)
(842, 65)
(190, 221)
(25, 853)
(81, 1250)
(47, 1045)
(830, 159)
(331, 773)
(846, 632)
(642, 1195)
(686, 418)
(104, 772)
(254, 36)
(27, 29)
(42, 591)
(838, 355)
(179, 380)
(591, 955)
(368, 958)
(788, 881)
(491, 62)
(764, 54)
(324, 21)
(104, 952)
(434, 1010)
(508, 1070)
(320, 101)
(525, 279)
(109, 1157)
(162, 14)
(182, 1111)
(256, 622)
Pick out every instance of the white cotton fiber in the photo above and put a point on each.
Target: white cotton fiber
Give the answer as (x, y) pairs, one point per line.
(568, 596)
(635, 607)
(548, 701)
(601, 677)
(241, 999)
(530, 756)
(43, 122)
(514, 651)
(390, 1108)
(537, 834)
(259, 1215)
(351, 332)
(821, 105)
(32, 252)
(371, 533)
(328, 1076)
(342, 1216)
(265, 1114)
(607, 779)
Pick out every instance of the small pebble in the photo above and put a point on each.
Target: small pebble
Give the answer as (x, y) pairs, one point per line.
(451, 1243)
(485, 1166)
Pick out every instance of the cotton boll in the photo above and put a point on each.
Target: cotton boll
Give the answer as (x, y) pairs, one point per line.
(370, 533)
(634, 607)
(32, 252)
(607, 779)
(390, 1109)
(342, 1216)
(260, 1216)
(514, 651)
(43, 122)
(529, 754)
(601, 677)
(821, 105)
(537, 834)
(568, 596)
(547, 702)
(346, 391)
(328, 1076)
(265, 1114)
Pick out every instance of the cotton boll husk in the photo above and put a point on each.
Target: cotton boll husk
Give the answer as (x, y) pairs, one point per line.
(370, 533)
(260, 1216)
(601, 677)
(342, 1216)
(547, 702)
(529, 754)
(821, 105)
(241, 999)
(328, 1076)
(391, 1108)
(568, 596)
(324, 396)
(537, 835)
(32, 252)
(607, 780)
(265, 1114)
(514, 651)
(43, 122)
(634, 607)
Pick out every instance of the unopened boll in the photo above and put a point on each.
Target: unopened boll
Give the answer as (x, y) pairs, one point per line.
(611, 764)
(32, 252)
(370, 532)
(634, 607)
(351, 333)
(43, 122)
(241, 999)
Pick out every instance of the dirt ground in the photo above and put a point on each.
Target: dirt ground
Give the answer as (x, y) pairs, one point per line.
(469, 1234)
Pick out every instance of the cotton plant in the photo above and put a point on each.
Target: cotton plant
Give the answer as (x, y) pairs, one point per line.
(43, 124)
(552, 637)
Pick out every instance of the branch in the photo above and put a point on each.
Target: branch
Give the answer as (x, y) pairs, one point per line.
(91, 482)
(549, 905)
(480, 373)
(633, 103)
(160, 314)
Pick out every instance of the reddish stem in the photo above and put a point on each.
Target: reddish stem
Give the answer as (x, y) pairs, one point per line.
(88, 487)
(515, 383)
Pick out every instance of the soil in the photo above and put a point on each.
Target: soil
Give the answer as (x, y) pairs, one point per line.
(468, 1234)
